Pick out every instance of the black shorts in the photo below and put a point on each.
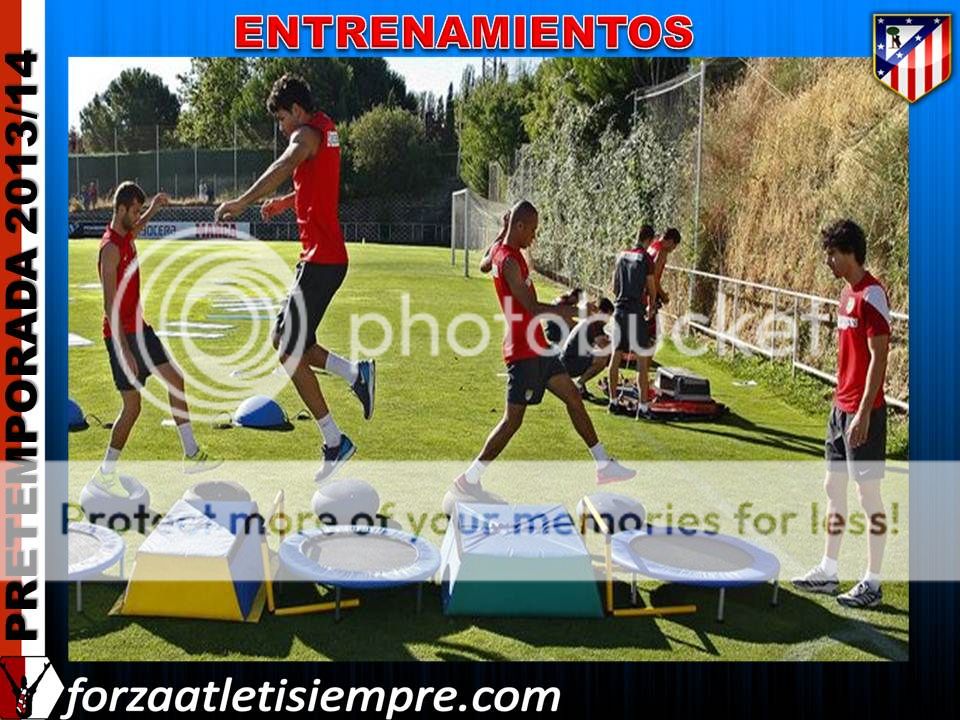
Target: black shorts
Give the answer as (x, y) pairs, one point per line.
(862, 463)
(576, 365)
(632, 332)
(148, 352)
(527, 379)
(298, 319)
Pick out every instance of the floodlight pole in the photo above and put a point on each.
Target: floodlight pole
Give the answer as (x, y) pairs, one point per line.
(157, 135)
(196, 176)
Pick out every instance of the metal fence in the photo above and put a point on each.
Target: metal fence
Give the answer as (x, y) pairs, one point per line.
(779, 324)
(158, 162)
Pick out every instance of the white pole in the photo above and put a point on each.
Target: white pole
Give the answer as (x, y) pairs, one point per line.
(696, 183)
(466, 234)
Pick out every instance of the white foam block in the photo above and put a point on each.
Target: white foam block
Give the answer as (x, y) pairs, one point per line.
(74, 340)
(199, 325)
(189, 334)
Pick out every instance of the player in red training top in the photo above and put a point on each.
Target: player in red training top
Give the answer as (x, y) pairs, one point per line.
(313, 159)
(133, 347)
(856, 444)
(532, 365)
(659, 251)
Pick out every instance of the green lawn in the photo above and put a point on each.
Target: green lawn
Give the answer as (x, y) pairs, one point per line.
(440, 409)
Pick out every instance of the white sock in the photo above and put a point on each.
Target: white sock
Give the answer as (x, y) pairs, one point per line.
(872, 579)
(187, 440)
(475, 472)
(341, 367)
(331, 433)
(600, 454)
(829, 566)
(110, 461)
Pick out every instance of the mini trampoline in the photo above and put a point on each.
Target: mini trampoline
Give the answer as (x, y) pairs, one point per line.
(91, 550)
(695, 558)
(360, 558)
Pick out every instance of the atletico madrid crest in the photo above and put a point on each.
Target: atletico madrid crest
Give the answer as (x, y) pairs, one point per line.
(911, 53)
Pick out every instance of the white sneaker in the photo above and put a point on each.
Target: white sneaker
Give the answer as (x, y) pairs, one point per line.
(861, 595)
(817, 581)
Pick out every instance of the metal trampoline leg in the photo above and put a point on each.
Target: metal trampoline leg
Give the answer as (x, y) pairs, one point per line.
(336, 609)
(633, 589)
(723, 594)
(79, 598)
(419, 597)
(776, 593)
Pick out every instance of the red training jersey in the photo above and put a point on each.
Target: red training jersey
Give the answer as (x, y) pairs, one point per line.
(864, 313)
(653, 250)
(316, 182)
(524, 338)
(128, 281)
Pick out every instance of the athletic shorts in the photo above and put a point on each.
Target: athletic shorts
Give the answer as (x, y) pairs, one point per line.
(527, 379)
(148, 352)
(298, 319)
(632, 332)
(865, 462)
(576, 365)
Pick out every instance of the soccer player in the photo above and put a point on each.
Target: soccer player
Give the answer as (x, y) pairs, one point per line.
(633, 283)
(531, 369)
(659, 251)
(312, 157)
(856, 443)
(133, 347)
(586, 348)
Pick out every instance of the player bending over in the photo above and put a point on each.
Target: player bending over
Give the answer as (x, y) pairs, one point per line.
(312, 157)
(531, 368)
(587, 347)
(133, 347)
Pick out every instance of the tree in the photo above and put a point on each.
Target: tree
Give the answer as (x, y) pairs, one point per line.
(605, 84)
(450, 121)
(491, 128)
(210, 91)
(224, 91)
(388, 152)
(133, 105)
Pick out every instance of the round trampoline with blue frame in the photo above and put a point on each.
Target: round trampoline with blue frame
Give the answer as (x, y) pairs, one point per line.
(91, 550)
(695, 557)
(356, 557)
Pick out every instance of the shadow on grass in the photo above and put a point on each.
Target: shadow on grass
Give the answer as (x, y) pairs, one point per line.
(758, 434)
(386, 626)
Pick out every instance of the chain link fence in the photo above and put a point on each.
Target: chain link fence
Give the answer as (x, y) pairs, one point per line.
(710, 152)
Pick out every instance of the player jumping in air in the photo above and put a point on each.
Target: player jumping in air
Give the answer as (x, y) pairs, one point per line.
(856, 444)
(313, 159)
(531, 368)
(133, 347)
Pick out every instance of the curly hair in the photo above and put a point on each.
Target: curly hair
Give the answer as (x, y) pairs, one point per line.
(290, 89)
(847, 237)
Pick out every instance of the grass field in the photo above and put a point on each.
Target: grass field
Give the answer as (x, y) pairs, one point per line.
(441, 408)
